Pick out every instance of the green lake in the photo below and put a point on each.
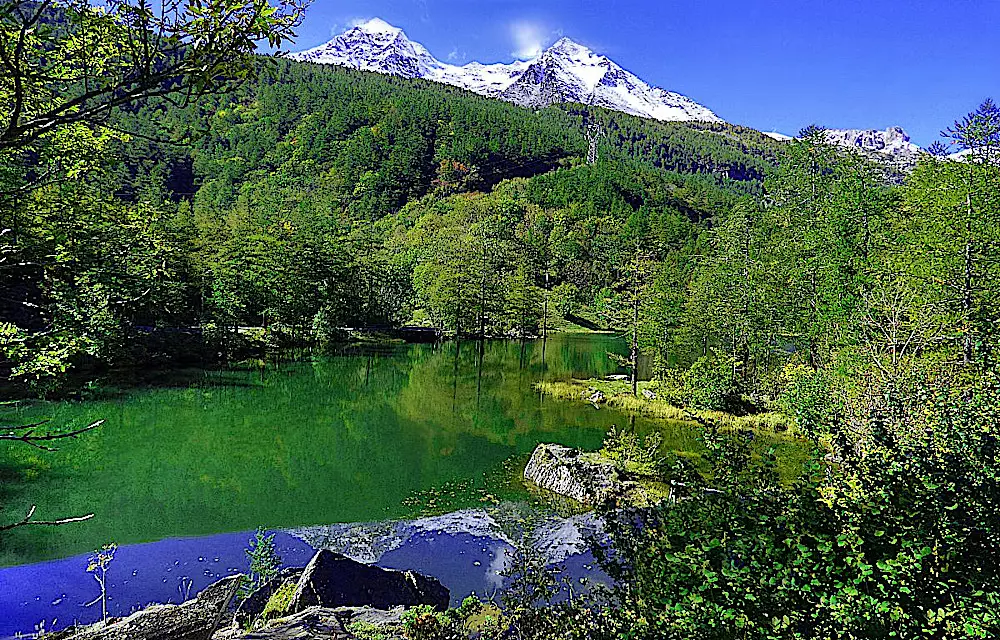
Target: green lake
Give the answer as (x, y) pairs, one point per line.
(360, 437)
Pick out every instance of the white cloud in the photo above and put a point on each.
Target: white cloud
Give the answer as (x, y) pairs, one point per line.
(455, 55)
(340, 27)
(529, 38)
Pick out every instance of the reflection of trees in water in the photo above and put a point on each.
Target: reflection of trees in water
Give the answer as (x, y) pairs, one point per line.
(342, 438)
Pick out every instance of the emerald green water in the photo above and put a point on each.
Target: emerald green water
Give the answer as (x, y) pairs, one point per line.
(334, 439)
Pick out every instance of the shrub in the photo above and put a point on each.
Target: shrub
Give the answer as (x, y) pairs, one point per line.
(632, 453)
(807, 398)
(368, 631)
(424, 623)
(711, 384)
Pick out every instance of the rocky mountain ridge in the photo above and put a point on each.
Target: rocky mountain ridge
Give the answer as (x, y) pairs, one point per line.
(565, 72)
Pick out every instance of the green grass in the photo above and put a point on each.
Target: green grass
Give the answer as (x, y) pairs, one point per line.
(558, 323)
(618, 394)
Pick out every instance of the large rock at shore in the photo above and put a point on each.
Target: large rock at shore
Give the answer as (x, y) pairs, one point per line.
(581, 476)
(333, 580)
(194, 620)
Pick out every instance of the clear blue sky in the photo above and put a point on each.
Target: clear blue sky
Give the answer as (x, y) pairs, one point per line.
(773, 65)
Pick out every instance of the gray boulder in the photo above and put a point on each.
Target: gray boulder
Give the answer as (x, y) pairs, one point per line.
(332, 580)
(193, 620)
(312, 624)
(379, 617)
(648, 395)
(582, 477)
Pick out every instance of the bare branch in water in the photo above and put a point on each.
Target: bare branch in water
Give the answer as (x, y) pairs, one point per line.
(26, 521)
(28, 436)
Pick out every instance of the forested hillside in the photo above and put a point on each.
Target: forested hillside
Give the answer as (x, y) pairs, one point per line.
(311, 198)
(800, 279)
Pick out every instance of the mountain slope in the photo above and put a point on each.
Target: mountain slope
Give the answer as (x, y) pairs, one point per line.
(566, 72)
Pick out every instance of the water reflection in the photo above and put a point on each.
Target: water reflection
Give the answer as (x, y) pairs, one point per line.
(343, 438)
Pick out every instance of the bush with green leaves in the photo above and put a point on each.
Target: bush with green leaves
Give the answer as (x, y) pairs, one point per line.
(711, 383)
(423, 622)
(895, 541)
(807, 397)
(633, 453)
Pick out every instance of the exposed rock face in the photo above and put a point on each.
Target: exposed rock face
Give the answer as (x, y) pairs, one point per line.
(893, 141)
(333, 580)
(565, 471)
(194, 620)
(379, 617)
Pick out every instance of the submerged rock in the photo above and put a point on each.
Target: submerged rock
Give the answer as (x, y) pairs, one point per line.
(583, 477)
(333, 580)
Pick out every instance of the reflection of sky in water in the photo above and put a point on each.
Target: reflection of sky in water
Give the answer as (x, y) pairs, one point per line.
(466, 551)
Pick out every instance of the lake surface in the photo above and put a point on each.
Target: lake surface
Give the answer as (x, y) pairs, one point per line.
(386, 434)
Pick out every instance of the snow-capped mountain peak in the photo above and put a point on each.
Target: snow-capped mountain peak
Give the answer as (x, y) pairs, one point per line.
(379, 26)
(893, 141)
(565, 72)
(569, 47)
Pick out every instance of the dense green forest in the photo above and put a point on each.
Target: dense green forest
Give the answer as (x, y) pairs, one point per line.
(311, 199)
(755, 275)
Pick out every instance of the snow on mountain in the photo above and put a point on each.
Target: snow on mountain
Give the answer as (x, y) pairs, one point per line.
(565, 72)
(893, 141)
(990, 154)
(570, 72)
(780, 137)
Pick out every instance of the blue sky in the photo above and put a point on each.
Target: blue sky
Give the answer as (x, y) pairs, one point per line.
(773, 65)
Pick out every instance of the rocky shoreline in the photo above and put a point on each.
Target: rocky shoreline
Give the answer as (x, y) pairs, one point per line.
(333, 592)
(325, 596)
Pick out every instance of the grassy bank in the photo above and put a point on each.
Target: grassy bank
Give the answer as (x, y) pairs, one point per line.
(618, 394)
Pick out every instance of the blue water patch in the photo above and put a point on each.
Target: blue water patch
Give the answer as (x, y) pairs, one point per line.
(169, 571)
(464, 550)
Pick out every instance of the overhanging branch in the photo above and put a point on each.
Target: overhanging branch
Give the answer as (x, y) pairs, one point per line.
(27, 521)
(27, 434)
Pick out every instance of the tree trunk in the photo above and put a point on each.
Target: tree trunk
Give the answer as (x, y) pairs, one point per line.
(545, 309)
(634, 354)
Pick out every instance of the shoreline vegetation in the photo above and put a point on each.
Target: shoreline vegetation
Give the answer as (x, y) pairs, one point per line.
(170, 197)
(618, 394)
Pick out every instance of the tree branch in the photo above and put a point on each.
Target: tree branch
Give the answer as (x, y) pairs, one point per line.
(26, 520)
(29, 437)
